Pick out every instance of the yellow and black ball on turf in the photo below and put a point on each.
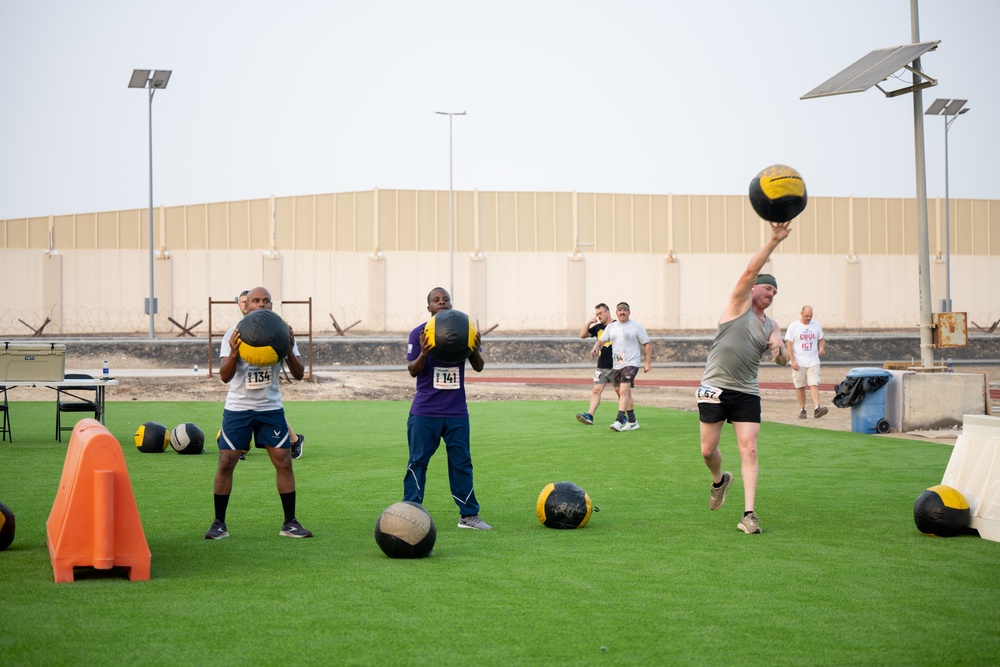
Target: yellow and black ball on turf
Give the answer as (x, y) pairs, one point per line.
(6, 526)
(152, 438)
(941, 511)
(187, 438)
(563, 505)
(778, 193)
(452, 336)
(264, 338)
(405, 530)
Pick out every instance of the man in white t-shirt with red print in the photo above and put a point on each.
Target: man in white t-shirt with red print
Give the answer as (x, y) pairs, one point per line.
(804, 339)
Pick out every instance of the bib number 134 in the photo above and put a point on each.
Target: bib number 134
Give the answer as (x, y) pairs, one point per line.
(258, 378)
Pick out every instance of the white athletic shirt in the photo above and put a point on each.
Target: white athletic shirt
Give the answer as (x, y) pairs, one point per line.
(805, 342)
(626, 342)
(252, 387)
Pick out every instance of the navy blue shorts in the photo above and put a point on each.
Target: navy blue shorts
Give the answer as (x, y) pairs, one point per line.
(267, 429)
(734, 406)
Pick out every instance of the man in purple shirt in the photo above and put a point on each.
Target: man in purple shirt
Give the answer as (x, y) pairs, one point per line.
(439, 411)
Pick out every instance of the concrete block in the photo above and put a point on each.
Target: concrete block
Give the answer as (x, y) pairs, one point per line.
(940, 400)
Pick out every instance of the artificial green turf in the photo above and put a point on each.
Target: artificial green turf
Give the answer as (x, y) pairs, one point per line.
(840, 575)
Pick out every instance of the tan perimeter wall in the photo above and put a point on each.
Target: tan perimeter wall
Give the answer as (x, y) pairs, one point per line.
(527, 261)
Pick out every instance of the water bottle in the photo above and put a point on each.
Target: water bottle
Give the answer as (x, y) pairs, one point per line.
(196, 369)
(105, 373)
(950, 368)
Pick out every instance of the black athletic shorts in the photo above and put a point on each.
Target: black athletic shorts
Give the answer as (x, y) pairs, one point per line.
(625, 375)
(733, 406)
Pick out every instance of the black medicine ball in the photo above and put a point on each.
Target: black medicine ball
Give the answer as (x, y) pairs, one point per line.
(563, 505)
(187, 438)
(942, 511)
(452, 336)
(264, 338)
(405, 530)
(778, 193)
(6, 526)
(152, 438)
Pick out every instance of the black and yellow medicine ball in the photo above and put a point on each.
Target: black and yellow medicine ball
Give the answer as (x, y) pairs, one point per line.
(778, 193)
(187, 438)
(563, 505)
(6, 527)
(264, 338)
(452, 336)
(152, 438)
(405, 530)
(942, 511)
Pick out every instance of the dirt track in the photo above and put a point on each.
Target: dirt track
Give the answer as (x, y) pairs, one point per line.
(564, 384)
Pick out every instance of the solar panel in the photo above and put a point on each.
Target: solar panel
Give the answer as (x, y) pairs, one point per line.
(872, 69)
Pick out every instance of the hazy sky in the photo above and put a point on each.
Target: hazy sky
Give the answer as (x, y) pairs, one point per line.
(308, 97)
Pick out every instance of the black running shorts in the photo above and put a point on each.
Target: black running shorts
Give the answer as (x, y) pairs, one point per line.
(733, 406)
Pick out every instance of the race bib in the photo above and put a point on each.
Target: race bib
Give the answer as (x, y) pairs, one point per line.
(619, 358)
(708, 394)
(447, 377)
(258, 377)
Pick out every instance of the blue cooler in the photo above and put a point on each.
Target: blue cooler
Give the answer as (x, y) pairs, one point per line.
(868, 416)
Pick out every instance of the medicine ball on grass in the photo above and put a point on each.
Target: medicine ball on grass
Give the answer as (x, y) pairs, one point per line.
(264, 338)
(152, 438)
(6, 526)
(941, 511)
(564, 505)
(405, 530)
(187, 438)
(778, 193)
(452, 336)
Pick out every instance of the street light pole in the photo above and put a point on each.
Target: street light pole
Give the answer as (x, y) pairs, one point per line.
(141, 79)
(451, 201)
(950, 110)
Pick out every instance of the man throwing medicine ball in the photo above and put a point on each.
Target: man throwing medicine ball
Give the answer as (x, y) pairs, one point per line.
(439, 411)
(729, 389)
(253, 411)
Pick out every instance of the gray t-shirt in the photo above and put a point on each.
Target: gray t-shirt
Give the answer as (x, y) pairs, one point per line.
(734, 359)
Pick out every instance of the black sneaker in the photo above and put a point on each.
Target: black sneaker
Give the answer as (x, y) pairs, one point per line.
(294, 529)
(217, 531)
(243, 456)
(297, 447)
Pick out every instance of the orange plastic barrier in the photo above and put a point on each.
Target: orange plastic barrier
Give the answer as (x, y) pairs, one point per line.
(94, 521)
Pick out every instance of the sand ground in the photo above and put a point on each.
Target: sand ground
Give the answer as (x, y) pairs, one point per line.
(145, 382)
